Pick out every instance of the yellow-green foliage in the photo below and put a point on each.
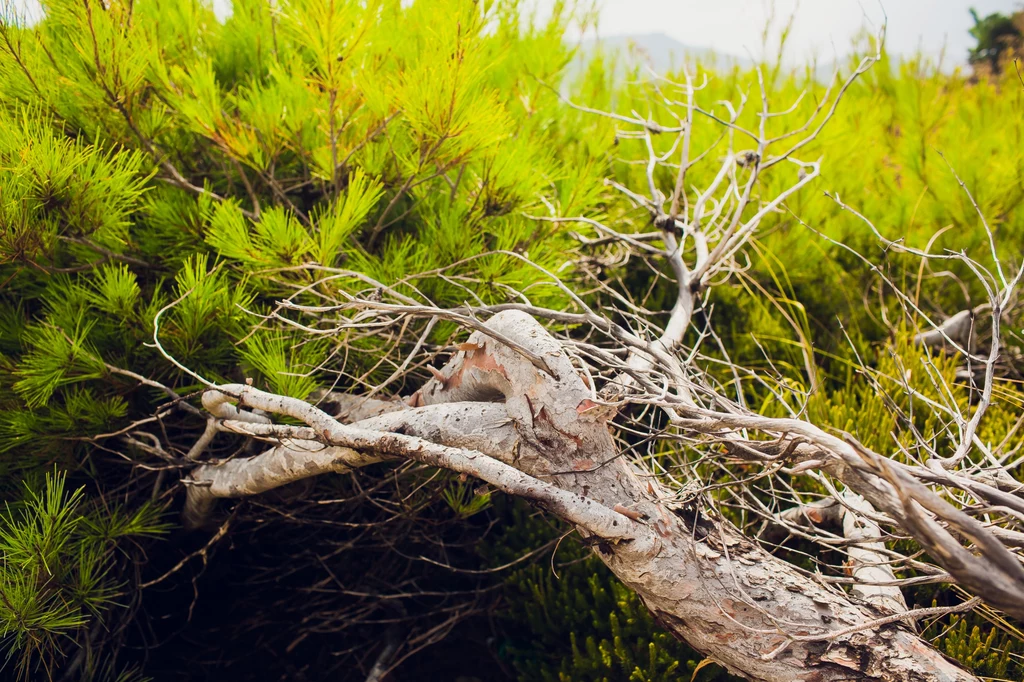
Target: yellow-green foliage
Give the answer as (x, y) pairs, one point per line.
(387, 139)
(150, 155)
(155, 161)
(892, 151)
(887, 152)
(987, 653)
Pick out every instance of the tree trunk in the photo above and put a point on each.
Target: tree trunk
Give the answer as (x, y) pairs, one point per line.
(701, 577)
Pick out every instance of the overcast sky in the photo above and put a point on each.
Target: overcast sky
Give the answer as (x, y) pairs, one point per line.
(734, 26)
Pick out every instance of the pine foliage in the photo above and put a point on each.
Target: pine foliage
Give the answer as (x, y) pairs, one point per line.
(159, 166)
(56, 571)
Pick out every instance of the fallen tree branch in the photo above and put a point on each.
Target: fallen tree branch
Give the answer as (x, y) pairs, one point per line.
(698, 574)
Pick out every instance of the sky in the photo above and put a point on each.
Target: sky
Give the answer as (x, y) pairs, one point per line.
(735, 26)
(821, 28)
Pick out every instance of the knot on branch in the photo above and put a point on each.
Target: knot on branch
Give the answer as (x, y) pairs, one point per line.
(747, 158)
(667, 223)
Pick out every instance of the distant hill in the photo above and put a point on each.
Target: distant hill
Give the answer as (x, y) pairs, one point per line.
(664, 53)
(661, 52)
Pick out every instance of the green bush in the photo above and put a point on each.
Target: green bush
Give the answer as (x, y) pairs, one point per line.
(151, 155)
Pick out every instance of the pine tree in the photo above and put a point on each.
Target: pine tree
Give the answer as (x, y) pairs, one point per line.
(151, 154)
